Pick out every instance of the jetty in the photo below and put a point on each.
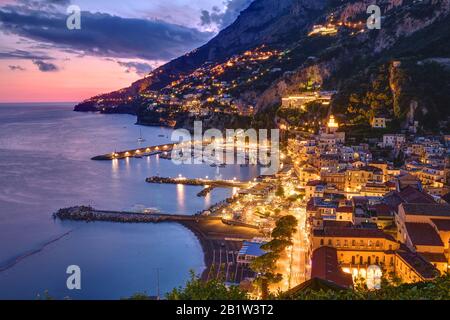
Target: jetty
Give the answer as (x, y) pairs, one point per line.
(136, 153)
(220, 239)
(200, 182)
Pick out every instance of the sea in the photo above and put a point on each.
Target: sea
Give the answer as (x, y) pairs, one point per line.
(45, 165)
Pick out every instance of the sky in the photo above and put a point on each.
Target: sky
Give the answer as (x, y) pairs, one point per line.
(120, 41)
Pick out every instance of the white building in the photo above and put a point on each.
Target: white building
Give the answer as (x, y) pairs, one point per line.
(393, 140)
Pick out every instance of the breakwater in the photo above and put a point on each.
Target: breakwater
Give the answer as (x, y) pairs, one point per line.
(84, 213)
(199, 182)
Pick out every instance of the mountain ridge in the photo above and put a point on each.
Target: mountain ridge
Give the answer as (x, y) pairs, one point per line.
(328, 61)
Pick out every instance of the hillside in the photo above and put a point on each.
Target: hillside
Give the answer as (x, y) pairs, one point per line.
(270, 51)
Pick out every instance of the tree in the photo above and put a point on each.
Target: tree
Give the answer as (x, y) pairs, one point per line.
(265, 266)
(197, 289)
(276, 245)
(140, 296)
(285, 228)
(438, 289)
(399, 160)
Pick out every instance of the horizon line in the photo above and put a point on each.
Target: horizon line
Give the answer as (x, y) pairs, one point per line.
(31, 102)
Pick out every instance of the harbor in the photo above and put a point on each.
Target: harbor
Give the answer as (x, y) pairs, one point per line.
(220, 239)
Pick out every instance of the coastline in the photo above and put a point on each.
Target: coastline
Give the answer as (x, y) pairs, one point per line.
(206, 246)
(220, 241)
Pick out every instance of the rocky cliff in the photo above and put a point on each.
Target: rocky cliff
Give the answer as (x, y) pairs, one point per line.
(412, 31)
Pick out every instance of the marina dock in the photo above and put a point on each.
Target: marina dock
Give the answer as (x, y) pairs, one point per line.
(140, 152)
(200, 182)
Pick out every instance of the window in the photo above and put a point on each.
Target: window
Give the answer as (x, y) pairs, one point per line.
(361, 260)
(353, 260)
(330, 243)
(369, 260)
(321, 242)
(353, 243)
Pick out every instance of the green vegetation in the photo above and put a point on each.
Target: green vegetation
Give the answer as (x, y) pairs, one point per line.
(196, 289)
(438, 289)
(394, 92)
(265, 265)
(265, 268)
(139, 296)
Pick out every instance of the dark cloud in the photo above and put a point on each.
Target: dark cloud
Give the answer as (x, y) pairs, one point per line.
(16, 68)
(45, 66)
(103, 34)
(25, 55)
(222, 19)
(140, 68)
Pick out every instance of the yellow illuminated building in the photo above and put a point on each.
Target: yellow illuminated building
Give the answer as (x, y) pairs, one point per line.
(359, 249)
(332, 124)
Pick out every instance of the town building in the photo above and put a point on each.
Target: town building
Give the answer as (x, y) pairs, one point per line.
(393, 140)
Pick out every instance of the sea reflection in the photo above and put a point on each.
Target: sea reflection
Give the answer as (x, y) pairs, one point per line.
(181, 196)
(38, 177)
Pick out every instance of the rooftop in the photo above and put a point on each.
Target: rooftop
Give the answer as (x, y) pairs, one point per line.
(442, 224)
(422, 209)
(381, 209)
(423, 234)
(424, 268)
(408, 195)
(252, 249)
(337, 224)
(345, 209)
(434, 257)
(352, 233)
(412, 195)
(325, 266)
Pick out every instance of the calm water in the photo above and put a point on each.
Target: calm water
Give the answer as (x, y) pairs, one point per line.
(44, 165)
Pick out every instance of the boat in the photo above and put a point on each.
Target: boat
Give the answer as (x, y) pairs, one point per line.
(140, 139)
(161, 135)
